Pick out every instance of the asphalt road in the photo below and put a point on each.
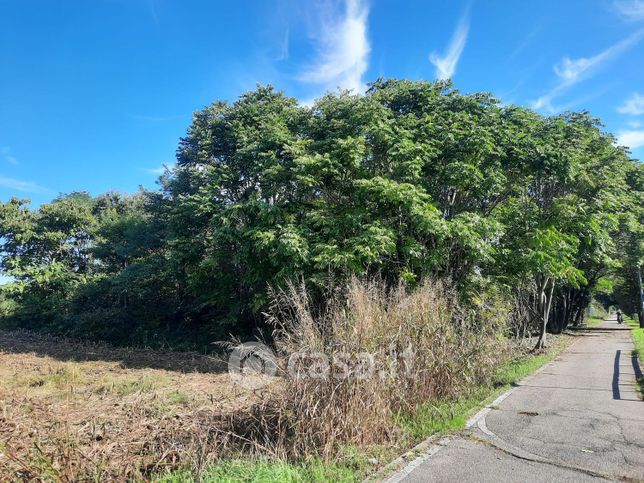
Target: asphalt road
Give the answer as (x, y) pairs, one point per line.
(580, 418)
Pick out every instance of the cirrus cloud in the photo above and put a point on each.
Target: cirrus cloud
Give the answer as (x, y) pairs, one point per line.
(343, 48)
(633, 139)
(20, 185)
(572, 71)
(631, 9)
(634, 105)
(446, 64)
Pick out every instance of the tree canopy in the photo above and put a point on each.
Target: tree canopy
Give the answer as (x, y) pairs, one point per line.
(412, 179)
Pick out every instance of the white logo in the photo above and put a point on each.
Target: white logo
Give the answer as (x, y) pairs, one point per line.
(252, 364)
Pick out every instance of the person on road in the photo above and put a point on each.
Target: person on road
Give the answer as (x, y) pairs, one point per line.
(620, 316)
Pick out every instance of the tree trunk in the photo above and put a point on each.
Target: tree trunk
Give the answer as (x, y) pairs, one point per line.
(545, 287)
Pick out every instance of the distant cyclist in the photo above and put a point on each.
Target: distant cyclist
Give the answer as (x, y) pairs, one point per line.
(620, 316)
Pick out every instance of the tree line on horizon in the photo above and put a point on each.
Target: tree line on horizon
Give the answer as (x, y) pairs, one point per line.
(412, 180)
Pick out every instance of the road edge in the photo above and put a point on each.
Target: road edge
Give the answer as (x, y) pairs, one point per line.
(396, 470)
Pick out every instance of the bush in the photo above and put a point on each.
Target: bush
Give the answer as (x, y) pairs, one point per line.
(370, 354)
(7, 308)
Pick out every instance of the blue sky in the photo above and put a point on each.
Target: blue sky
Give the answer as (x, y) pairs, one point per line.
(94, 94)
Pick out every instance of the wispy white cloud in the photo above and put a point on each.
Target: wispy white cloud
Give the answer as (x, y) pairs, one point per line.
(446, 64)
(631, 9)
(283, 47)
(571, 71)
(634, 105)
(153, 12)
(161, 169)
(632, 138)
(343, 48)
(5, 152)
(19, 185)
(527, 40)
(147, 118)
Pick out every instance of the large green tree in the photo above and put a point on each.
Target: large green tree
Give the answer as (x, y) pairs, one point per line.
(412, 179)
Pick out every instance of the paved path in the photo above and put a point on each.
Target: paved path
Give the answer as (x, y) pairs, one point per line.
(578, 419)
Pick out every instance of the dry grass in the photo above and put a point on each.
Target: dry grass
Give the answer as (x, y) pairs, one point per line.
(72, 411)
(424, 347)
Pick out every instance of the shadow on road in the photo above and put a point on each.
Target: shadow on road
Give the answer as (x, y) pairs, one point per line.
(636, 366)
(616, 394)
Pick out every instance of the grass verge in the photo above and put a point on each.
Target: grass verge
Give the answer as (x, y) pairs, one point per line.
(638, 339)
(593, 321)
(436, 419)
(265, 471)
(447, 416)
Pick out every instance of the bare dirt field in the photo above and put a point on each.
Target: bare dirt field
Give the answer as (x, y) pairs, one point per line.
(72, 411)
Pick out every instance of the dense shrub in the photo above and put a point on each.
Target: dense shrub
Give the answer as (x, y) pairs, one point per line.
(372, 353)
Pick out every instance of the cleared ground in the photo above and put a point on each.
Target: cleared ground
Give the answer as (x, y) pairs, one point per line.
(71, 411)
(85, 412)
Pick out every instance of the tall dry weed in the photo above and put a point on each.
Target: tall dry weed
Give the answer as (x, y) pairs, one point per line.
(372, 352)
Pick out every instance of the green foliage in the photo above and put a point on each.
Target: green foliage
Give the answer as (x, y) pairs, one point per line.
(266, 471)
(7, 307)
(638, 340)
(89, 267)
(411, 179)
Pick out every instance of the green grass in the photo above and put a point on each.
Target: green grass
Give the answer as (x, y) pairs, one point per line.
(177, 397)
(431, 419)
(126, 388)
(440, 417)
(63, 377)
(638, 341)
(265, 471)
(593, 321)
(446, 416)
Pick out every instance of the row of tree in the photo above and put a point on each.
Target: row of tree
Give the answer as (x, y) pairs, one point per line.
(413, 179)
